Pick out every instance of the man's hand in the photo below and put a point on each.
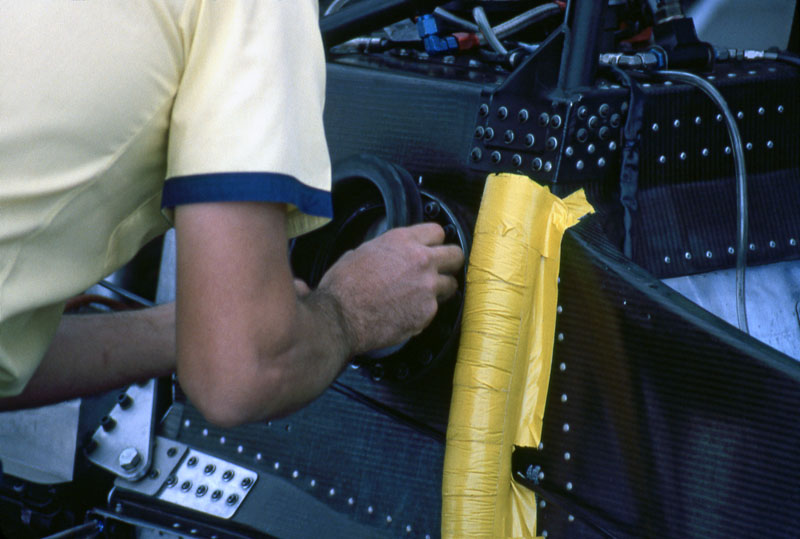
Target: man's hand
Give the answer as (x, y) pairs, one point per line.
(388, 288)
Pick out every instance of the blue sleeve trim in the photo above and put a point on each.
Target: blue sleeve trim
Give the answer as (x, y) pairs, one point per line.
(247, 187)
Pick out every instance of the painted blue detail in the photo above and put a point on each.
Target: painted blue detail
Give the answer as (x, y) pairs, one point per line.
(247, 187)
(428, 29)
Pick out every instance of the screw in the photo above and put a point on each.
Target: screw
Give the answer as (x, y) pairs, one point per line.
(124, 400)
(172, 451)
(172, 481)
(108, 423)
(154, 474)
(216, 495)
(192, 462)
(232, 499)
(209, 469)
(228, 475)
(129, 458)
(432, 209)
(186, 486)
(247, 483)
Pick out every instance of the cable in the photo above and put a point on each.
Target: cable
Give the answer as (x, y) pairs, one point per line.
(335, 6)
(741, 184)
(523, 20)
(486, 30)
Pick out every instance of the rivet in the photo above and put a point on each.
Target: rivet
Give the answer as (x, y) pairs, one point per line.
(616, 120)
(662, 159)
(709, 254)
(559, 309)
(551, 144)
(542, 504)
(332, 492)
(209, 469)
(388, 518)
(569, 151)
(567, 456)
(612, 145)
(676, 123)
(705, 152)
(483, 110)
(171, 481)
(488, 133)
(591, 148)
(108, 423)
(193, 531)
(201, 491)
(187, 423)
(313, 483)
(277, 465)
(560, 337)
(562, 367)
(749, 146)
(154, 473)
(409, 528)
(687, 255)
(752, 246)
(752, 72)
(508, 136)
(222, 440)
(541, 446)
(555, 121)
(731, 75)
(516, 160)
(541, 476)
(537, 164)
(655, 127)
(523, 116)
(548, 166)
(583, 112)
(192, 462)
(232, 499)
(566, 427)
(205, 432)
(728, 150)
(683, 156)
(770, 144)
(762, 111)
(479, 131)
(718, 117)
(593, 122)
(228, 475)
(496, 157)
(579, 165)
(711, 77)
(240, 449)
(544, 533)
(571, 518)
(370, 510)
(698, 120)
(731, 250)
(176, 525)
(544, 119)
(216, 495)
(259, 456)
(529, 140)
(582, 135)
(502, 113)
(186, 486)
(772, 244)
(792, 242)
(295, 474)
(781, 109)
(667, 260)
(564, 397)
(569, 486)
(740, 115)
(604, 110)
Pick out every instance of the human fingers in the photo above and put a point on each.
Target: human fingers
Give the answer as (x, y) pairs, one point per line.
(427, 233)
(448, 258)
(301, 288)
(446, 286)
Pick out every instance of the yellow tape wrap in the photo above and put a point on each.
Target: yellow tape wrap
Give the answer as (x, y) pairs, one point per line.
(503, 367)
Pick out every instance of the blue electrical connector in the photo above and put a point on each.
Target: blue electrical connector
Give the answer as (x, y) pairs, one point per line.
(428, 29)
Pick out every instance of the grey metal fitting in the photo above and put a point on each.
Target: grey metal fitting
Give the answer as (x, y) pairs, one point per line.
(129, 459)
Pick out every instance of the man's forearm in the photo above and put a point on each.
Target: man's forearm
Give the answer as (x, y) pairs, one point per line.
(99, 352)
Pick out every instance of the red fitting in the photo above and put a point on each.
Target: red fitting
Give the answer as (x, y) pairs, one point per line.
(466, 40)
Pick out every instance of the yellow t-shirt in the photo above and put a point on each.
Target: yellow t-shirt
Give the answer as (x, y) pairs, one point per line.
(101, 100)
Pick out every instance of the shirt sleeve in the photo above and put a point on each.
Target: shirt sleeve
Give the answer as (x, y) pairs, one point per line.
(247, 124)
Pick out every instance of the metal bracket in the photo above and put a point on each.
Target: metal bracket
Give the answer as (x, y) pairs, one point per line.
(194, 480)
(123, 443)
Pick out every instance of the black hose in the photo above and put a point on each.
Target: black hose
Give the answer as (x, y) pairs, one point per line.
(789, 58)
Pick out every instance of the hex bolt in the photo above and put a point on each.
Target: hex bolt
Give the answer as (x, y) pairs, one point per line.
(228, 475)
(216, 495)
(232, 499)
(432, 209)
(124, 400)
(209, 469)
(129, 459)
(108, 423)
(247, 483)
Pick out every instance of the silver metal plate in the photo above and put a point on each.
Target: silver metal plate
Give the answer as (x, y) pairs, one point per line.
(167, 455)
(126, 448)
(208, 484)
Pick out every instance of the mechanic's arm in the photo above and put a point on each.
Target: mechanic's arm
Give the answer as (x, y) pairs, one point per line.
(92, 353)
(249, 347)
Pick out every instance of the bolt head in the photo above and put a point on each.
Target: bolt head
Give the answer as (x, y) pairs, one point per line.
(129, 459)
